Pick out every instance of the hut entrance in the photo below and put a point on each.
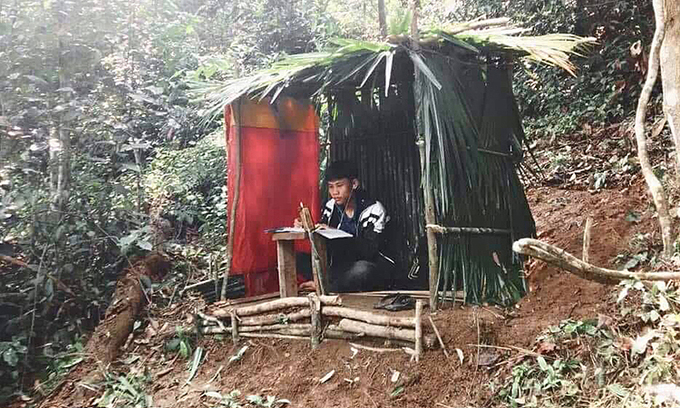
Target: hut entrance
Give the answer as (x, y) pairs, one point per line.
(377, 133)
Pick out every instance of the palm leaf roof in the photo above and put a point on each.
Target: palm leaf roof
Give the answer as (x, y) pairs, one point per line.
(354, 63)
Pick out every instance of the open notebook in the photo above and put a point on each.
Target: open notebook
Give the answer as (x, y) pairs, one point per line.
(326, 233)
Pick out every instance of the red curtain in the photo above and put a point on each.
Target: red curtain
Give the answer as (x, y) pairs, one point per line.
(279, 170)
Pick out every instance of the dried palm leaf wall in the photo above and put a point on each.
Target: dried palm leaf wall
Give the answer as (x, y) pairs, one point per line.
(473, 135)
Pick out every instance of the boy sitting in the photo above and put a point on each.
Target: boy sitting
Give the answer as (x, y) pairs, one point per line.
(359, 263)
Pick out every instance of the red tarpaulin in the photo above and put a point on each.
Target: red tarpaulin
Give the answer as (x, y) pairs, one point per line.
(279, 170)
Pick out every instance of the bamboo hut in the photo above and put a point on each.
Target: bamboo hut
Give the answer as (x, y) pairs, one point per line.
(457, 203)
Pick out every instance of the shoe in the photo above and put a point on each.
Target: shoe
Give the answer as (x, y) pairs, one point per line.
(401, 302)
(395, 302)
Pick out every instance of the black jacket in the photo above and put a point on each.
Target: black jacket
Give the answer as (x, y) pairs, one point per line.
(370, 219)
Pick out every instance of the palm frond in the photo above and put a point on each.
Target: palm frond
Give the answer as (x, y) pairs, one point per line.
(354, 62)
(550, 49)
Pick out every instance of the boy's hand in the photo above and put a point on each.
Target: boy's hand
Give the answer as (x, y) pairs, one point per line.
(297, 223)
(308, 286)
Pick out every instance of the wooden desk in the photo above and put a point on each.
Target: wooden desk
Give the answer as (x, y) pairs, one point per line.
(285, 251)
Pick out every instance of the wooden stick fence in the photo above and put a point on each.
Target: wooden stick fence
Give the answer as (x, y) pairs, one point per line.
(312, 321)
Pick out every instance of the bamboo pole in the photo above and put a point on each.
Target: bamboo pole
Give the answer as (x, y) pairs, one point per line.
(430, 219)
(274, 327)
(236, 109)
(318, 264)
(354, 326)
(212, 319)
(368, 317)
(432, 251)
(467, 230)
(419, 329)
(418, 294)
(261, 320)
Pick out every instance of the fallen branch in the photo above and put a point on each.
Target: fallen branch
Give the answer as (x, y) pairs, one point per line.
(275, 318)
(354, 326)
(277, 305)
(376, 349)
(14, 261)
(276, 336)
(439, 337)
(288, 328)
(562, 259)
(128, 302)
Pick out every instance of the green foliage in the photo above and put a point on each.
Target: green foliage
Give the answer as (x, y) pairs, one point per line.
(604, 363)
(233, 400)
(125, 391)
(12, 357)
(59, 364)
(190, 185)
(609, 79)
(181, 343)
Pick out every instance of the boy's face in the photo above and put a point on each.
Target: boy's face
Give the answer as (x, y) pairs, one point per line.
(340, 190)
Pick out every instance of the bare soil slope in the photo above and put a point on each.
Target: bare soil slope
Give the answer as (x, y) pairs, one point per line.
(290, 369)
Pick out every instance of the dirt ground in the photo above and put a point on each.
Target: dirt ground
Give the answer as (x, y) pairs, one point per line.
(290, 369)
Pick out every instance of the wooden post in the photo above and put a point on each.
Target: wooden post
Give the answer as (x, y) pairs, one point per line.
(586, 239)
(319, 263)
(419, 329)
(318, 251)
(432, 250)
(234, 328)
(285, 252)
(315, 307)
(236, 109)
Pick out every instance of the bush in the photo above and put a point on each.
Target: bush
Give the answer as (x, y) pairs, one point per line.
(189, 185)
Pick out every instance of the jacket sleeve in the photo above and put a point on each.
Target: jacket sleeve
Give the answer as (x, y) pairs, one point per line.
(372, 225)
(327, 213)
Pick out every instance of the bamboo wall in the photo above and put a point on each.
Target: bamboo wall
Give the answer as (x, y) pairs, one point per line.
(377, 133)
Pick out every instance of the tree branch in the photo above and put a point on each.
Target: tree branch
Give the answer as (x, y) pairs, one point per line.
(564, 260)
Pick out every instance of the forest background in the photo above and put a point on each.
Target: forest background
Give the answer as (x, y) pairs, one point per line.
(100, 131)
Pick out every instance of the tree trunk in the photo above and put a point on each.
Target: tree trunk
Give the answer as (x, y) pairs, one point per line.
(60, 139)
(128, 301)
(655, 187)
(382, 19)
(670, 69)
